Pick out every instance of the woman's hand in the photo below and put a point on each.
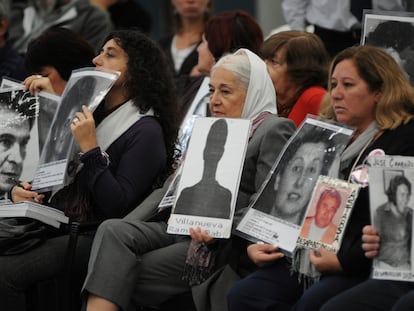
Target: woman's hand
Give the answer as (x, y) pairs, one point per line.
(83, 130)
(201, 236)
(23, 193)
(37, 83)
(370, 241)
(325, 261)
(263, 254)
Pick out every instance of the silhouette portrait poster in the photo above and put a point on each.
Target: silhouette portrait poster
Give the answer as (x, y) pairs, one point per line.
(327, 214)
(391, 180)
(210, 178)
(276, 214)
(58, 161)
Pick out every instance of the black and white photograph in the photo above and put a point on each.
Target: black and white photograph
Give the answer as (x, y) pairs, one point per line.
(328, 213)
(18, 137)
(86, 86)
(394, 33)
(210, 178)
(10, 83)
(391, 181)
(279, 209)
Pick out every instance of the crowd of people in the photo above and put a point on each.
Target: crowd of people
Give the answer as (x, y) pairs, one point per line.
(133, 144)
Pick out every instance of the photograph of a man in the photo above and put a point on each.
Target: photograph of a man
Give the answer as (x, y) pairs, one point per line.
(320, 226)
(17, 116)
(59, 143)
(207, 197)
(393, 220)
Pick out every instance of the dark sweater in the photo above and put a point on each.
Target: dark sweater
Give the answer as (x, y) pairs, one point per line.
(137, 158)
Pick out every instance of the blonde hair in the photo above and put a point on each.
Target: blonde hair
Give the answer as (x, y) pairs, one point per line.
(380, 71)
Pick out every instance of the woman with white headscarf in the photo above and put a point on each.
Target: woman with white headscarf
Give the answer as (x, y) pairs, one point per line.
(149, 262)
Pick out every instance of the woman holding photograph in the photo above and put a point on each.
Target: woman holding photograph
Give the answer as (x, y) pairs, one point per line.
(370, 92)
(137, 112)
(240, 87)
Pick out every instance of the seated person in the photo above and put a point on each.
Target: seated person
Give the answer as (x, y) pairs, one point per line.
(11, 63)
(115, 179)
(300, 85)
(153, 260)
(28, 21)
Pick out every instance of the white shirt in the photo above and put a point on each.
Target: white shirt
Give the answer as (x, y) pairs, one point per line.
(329, 14)
(179, 56)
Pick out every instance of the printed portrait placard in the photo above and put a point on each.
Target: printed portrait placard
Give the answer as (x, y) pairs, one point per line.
(276, 214)
(391, 179)
(59, 161)
(394, 33)
(19, 148)
(210, 178)
(328, 213)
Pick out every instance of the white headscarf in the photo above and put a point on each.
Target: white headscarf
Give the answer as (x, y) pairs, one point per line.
(261, 95)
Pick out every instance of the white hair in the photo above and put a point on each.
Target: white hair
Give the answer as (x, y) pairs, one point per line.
(237, 63)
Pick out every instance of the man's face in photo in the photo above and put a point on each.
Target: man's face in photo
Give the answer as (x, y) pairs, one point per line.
(14, 136)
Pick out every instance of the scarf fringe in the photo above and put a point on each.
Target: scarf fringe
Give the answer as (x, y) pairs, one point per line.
(199, 263)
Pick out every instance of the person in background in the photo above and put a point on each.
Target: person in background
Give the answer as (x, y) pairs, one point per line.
(189, 20)
(28, 21)
(113, 179)
(298, 64)
(397, 39)
(389, 294)
(52, 57)
(336, 22)
(224, 33)
(16, 122)
(153, 260)
(368, 91)
(11, 63)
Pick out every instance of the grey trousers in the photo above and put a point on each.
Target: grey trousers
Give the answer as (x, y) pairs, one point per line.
(134, 263)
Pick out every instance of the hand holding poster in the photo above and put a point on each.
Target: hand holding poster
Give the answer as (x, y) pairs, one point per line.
(277, 212)
(390, 187)
(208, 186)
